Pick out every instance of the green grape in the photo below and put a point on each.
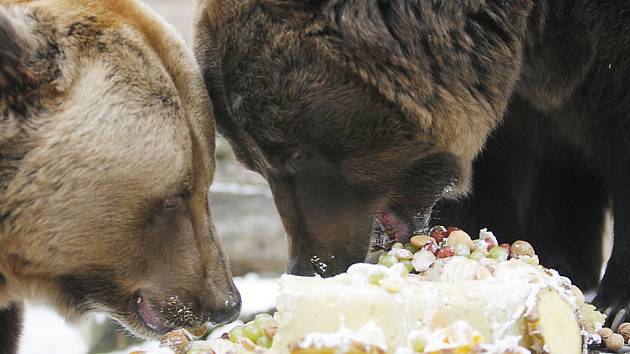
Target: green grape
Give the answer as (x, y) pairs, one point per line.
(397, 245)
(477, 255)
(410, 247)
(387, 260)
(498, 253)
(533, 260)
(236, 333)
(401, 269)
(262, 319)
(376, 277)
(252, 331)
(418, 343)
(264, 342)
(408, 265)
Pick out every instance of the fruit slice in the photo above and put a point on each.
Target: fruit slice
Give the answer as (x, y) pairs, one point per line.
(552, 325)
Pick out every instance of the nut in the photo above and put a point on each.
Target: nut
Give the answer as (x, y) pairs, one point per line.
(506, 246)
(199, 331)
(459, 237)
(522, 248)
(614, 342)
(439, 233)
(451, 229)
(605, 333)
(431, 246)
(446, 252)
(420, 240)
(179, 341)
(624, 330)
(579, 296)
(401, 253)
(423, 260)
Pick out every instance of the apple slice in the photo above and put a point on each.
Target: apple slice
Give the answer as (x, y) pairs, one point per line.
(552, 326)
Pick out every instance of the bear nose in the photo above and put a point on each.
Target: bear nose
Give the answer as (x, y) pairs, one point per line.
(226, 311)
(315, 266)
(220, 309)
(229, 313)
(304, 269)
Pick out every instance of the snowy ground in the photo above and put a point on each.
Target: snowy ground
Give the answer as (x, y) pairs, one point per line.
(45, 332)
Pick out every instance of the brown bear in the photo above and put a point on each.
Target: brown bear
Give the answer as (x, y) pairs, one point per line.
(359, 108)
(106, 156)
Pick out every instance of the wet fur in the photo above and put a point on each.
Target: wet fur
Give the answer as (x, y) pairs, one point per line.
(103, 115)
(536, 91)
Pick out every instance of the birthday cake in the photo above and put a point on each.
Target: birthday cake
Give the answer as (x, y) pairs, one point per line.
(441, 293)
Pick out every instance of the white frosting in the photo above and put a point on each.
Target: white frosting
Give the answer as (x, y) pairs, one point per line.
(455, 303)
(490, 299)
(369, 334)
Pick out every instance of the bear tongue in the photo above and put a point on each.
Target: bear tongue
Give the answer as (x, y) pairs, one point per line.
(396, 227)
(149, 317)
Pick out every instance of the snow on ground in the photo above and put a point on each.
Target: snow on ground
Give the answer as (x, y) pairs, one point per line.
(46, 332)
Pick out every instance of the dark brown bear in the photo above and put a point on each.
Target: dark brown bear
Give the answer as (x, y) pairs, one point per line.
(359, 108)
(106, 156)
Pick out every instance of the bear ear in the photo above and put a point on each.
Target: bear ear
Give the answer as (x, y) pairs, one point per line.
(16, 78)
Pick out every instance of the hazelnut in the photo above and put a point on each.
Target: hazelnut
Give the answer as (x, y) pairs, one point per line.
(420, 240)
(179, 341)
(522, 248)
(199, 331)
(450, 229)
(605, 333)
(459, 237)
(506, 246)
(624, 330)
(614, 342)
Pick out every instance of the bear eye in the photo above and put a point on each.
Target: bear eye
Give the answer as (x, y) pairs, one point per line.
(173, 202)
(295, 156)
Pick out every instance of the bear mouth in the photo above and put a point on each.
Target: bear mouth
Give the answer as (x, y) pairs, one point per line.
(172, 314)
(390, 226)
(146, 314)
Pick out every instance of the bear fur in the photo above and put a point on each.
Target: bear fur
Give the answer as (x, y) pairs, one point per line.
(359, 108)
(106, 156)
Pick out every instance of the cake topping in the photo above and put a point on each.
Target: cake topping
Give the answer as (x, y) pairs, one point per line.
(426, 255)
(439, 293)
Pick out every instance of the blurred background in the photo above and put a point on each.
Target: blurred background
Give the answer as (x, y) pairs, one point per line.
(246, 220)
